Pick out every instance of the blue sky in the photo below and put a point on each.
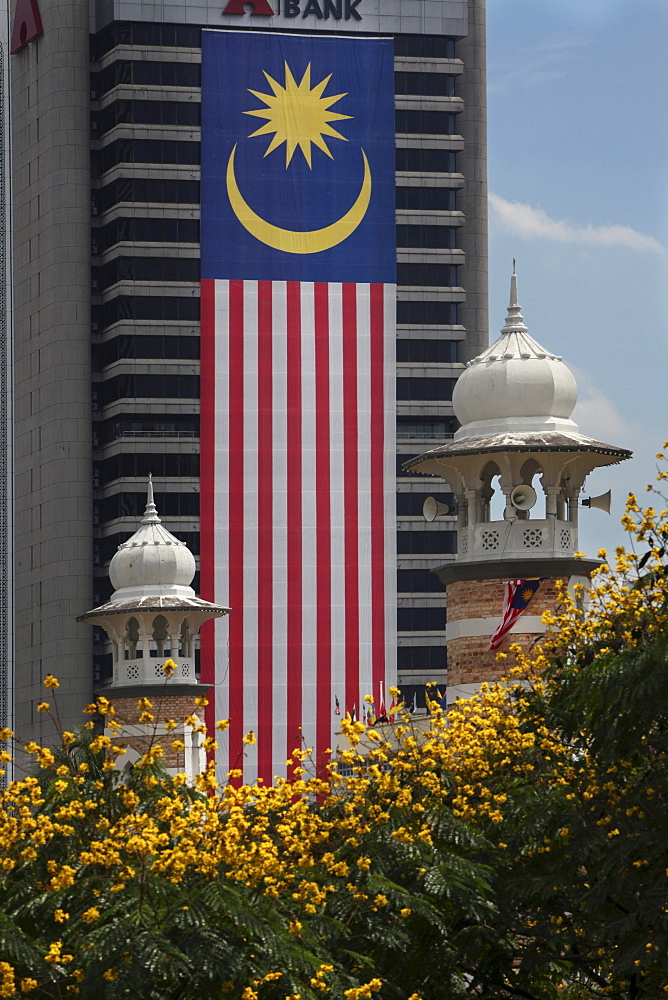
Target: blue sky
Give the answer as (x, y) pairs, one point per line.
(578, 180)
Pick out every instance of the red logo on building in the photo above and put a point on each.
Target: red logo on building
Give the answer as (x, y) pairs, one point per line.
(260, 7)
(27, 25)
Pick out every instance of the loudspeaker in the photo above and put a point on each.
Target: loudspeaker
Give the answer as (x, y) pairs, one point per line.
(431, 509)
(523, 497)
(601, 503)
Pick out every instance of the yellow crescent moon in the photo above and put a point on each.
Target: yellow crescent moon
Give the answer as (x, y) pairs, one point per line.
(294, 241)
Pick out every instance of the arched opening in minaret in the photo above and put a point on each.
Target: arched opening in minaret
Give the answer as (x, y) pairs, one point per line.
(131, 639)
(492, 500)
(185, 640)
(530, 474)
(161, 642)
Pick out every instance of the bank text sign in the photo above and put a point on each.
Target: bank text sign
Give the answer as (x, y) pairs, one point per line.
(335, 10)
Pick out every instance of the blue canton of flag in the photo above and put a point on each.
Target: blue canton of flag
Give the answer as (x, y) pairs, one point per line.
(524, 592)
(296, 176)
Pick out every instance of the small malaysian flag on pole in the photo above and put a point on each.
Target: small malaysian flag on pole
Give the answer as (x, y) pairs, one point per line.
(518, 596)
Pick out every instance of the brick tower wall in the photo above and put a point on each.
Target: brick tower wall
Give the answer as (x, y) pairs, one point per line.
(469, 661)
(142, 736)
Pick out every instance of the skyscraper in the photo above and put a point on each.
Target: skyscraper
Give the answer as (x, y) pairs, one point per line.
(105, 117)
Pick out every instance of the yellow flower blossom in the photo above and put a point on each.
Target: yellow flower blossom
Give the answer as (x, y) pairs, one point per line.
(7, 980)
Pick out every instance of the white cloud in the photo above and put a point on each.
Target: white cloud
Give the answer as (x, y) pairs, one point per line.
(598, 417)
(533, 223)
(548, 58)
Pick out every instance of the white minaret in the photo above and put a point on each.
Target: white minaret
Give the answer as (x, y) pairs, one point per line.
(514, 402)
(153, 616)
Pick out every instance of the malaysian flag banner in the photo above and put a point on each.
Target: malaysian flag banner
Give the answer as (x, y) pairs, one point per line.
(518, 594)
(298, 398)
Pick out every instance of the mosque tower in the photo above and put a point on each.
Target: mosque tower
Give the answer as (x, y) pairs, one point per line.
(517, 444)
(153, 616)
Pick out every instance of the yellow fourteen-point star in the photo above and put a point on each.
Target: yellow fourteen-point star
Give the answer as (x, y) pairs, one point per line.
(298, 115)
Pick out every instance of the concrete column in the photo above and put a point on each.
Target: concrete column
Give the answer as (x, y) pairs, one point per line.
(473, 165)
(53, 456)
(510, 513)
(573, 501)
(7, 672)
(472, 507)
(551, 494)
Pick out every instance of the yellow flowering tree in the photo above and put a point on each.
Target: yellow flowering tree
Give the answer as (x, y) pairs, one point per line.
(582, 870)
(515, 849)
(139, 885)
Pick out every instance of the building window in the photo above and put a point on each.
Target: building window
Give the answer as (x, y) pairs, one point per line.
(420, 658)
(411, 503)
(139, 465)
(437, 351)
(424, 84)
(162, 269)
(420, 620)
(177, 425)
(417, 122)
(431, 388)
(139, 230)
(146, 387)
(147, 307)
(424, 430)
(162, 35)
(418, 580)
(158, 191)
(160, 151)
(162, 347)
(426, 46)
(146, 113)
(426, 542)
(420, 313)
(425, 198)
(428, 275)
(442, 161)
(441, 237)
(133, 505)
(145, 74)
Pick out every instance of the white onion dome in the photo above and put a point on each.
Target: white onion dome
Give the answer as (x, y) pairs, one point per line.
(153, 563)
(515, 385)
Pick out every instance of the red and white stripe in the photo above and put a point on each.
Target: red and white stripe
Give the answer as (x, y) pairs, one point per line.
(297, 510)
(509, 615)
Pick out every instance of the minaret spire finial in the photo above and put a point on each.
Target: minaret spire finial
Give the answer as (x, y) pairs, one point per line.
(514, 320)
(151, 512)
